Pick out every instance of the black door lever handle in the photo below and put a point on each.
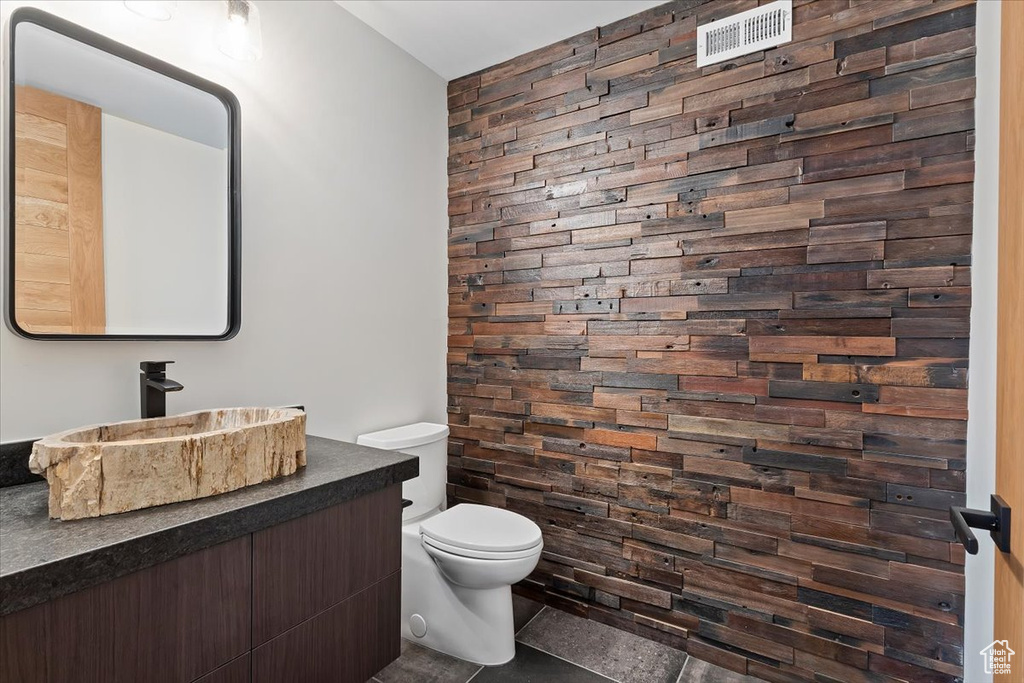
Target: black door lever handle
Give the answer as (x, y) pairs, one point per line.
(996, 521)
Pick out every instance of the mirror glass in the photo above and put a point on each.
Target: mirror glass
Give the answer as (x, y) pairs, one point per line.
(123, 224)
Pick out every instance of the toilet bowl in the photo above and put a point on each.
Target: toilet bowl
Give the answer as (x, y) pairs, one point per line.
(459, 564)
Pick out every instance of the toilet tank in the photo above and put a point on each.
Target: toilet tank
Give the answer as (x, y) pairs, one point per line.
(429, 442)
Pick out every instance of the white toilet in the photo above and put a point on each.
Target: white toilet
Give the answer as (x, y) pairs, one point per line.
(458, 565)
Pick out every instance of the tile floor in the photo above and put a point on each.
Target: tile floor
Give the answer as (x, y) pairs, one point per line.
(555, 646)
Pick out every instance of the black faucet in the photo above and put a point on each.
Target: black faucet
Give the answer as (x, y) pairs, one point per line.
(153, 387)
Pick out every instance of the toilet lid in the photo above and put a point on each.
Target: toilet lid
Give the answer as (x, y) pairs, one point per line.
(481, 527)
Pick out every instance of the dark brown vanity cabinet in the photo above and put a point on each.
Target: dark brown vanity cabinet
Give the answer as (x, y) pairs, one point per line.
(327, 593)
(313, 599)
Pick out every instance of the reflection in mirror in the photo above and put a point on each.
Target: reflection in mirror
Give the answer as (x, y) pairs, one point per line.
(122, 216)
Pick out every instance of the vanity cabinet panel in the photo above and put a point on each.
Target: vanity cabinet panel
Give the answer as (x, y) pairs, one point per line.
(172, 622)
(235, 671)
(181, 619)
(64, 640)
(22, 652)
(347, 643)
(77, 646)
(307, 565)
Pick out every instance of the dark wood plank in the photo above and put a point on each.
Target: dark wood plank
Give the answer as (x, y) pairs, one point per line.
(824, 391)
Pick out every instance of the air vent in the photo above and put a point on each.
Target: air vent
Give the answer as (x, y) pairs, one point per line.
(746, 32)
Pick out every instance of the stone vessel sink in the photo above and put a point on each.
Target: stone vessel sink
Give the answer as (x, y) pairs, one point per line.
(122, 466)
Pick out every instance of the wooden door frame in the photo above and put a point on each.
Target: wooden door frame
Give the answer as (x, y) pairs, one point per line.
(981, 426)
(1009, 567)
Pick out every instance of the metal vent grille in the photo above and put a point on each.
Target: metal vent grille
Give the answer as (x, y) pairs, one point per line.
(746, 32)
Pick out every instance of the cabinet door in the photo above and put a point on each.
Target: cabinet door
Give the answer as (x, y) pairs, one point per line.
(178, 620)
(68, 639)
(348, 643)
(303, 567)
(172, 622)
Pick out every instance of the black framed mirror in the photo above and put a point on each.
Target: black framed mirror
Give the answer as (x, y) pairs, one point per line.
(124, 199)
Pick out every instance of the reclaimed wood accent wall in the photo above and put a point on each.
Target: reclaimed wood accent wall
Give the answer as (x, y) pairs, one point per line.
(709, 329)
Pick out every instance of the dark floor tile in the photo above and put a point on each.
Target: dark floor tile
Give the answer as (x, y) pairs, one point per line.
(697, 671)
(534, 666)
(418, 664)
(523, 610)
(619, 655)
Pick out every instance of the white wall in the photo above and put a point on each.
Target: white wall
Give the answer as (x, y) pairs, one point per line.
(344, 233)
(165, 232)
(981, 397)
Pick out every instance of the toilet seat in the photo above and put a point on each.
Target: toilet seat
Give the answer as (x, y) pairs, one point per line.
(483, 532)
(482, 554)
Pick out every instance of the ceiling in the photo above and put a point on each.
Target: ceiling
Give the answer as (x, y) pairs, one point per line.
(458, 37)
(56, 63)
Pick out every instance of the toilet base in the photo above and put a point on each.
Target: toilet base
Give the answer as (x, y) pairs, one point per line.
(469, 623)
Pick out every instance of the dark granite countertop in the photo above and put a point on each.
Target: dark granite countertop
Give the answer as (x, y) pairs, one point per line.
(42, 558)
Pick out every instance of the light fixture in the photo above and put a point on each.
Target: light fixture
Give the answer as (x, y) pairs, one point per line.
(158, 10)
(240, 38)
